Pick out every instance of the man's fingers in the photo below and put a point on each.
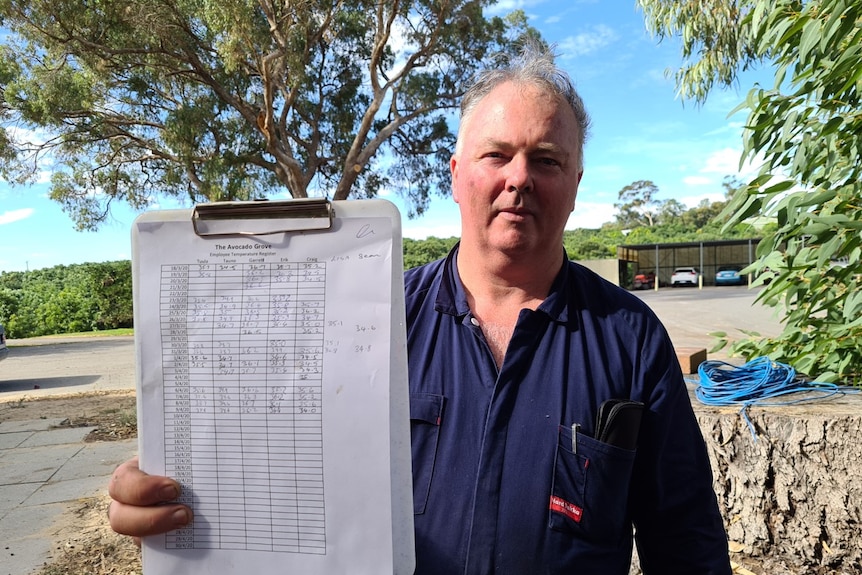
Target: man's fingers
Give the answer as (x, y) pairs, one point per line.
(140, 521)
(140, 503)
(131, 486)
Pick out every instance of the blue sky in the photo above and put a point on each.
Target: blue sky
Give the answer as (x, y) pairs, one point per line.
(640, 131)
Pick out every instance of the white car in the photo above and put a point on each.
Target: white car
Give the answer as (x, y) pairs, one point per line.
(685, 276)
(4, 351)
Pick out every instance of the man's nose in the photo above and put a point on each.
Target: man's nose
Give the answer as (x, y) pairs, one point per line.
(519, 178)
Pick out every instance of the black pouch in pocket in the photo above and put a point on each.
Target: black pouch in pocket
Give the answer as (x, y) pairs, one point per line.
(426, 411)
(618, 422)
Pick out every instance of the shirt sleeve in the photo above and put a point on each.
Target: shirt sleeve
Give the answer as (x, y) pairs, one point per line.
(678, 527)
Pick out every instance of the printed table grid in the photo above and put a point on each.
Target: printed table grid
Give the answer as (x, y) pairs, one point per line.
(242, 364)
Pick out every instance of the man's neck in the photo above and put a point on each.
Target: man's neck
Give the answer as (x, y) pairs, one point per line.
(495, 279)
(496, 274)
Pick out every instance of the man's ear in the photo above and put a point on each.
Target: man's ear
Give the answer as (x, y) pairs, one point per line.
(574, 199)
(453, 171)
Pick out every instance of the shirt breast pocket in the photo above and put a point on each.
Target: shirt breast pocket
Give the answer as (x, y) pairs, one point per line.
(426, 411)
(589, 496)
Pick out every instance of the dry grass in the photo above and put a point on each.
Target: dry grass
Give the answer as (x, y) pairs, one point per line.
(85, 544)
(113, 414)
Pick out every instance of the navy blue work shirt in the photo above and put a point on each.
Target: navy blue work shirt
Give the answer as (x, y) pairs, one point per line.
(497, 486)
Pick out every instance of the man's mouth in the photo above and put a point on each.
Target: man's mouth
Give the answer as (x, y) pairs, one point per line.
(514, 212)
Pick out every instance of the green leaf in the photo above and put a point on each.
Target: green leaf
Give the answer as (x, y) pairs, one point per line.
(853, 80)
(718, 346)
(833, 124)
(853, 306)
(779, 187)
(818, 198)
(810, 37)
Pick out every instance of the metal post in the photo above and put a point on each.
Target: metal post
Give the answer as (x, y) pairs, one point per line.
(750, 261)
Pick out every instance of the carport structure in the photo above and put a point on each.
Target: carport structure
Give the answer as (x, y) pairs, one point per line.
(706, 256)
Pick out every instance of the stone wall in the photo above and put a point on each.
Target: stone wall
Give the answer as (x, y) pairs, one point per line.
(792, 493)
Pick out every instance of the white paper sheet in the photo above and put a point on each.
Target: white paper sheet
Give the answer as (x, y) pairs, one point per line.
(264, 388)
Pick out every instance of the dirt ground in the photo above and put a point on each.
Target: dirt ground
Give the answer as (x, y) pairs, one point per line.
(112, 413)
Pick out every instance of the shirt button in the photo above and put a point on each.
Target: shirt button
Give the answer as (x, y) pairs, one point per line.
(474, 321)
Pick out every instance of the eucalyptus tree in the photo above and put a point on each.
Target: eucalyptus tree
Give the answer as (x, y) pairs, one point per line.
(638, 205)
(806, 132)
(207, 100)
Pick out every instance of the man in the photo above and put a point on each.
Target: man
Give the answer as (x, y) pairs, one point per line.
(512, 350)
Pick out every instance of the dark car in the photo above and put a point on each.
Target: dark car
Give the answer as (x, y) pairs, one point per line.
(729, 276)
(4, 351)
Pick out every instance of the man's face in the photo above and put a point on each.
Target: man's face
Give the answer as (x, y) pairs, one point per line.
(515, 174)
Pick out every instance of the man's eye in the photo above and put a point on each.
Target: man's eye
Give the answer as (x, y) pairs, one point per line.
(549, 161)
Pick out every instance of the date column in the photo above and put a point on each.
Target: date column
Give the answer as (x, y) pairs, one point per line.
(173, 303)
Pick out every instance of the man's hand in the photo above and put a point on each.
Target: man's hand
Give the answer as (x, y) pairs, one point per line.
(141, 502)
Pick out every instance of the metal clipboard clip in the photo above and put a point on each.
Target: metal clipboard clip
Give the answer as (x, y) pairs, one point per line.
(260, 218)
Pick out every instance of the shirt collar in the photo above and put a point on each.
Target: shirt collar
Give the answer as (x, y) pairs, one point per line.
(452, 299)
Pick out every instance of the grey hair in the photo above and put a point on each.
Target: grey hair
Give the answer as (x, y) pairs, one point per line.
(533, 65)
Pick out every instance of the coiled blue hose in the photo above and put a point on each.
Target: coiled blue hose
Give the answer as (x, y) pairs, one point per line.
(759, 382)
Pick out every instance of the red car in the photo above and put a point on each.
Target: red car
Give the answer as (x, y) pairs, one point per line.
(644, 281)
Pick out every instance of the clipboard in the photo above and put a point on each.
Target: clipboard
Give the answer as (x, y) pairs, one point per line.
(272, 383)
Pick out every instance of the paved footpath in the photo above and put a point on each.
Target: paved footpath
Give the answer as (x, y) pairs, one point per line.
(43, 469)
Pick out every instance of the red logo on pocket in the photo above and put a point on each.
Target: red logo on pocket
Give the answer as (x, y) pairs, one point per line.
(570, 510)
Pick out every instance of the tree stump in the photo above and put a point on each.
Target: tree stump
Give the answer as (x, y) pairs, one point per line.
(793, 490)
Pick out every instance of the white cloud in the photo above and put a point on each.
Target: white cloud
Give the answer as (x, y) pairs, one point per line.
(694, 200)
(734, 128)
(506, 6)
(438, 231)
(658, 75)
(724, 161)
(587, 42)
(697, 181)
(16, 215)
(590, 215)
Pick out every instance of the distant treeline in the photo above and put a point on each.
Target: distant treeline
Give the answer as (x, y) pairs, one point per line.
(66, 299)
(98, 296)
